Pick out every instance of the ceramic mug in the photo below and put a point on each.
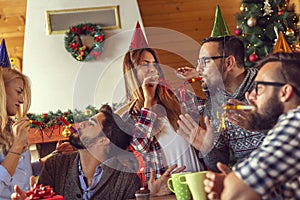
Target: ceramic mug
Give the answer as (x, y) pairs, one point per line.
(195, 182)
(181, 191)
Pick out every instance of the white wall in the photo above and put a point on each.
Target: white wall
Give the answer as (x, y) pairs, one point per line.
(61, 82)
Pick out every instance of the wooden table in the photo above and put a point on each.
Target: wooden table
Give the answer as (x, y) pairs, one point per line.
(168, 197)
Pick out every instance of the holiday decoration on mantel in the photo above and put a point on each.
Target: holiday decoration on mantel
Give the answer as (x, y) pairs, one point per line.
(79, 50)
(256, 22)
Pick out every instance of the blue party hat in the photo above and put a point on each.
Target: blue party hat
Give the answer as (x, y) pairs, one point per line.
(4, 59)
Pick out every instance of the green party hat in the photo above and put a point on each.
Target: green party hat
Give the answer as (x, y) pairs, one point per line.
(220, 28)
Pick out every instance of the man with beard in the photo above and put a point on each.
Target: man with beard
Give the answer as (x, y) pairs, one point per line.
(273, 170)
(93, 172)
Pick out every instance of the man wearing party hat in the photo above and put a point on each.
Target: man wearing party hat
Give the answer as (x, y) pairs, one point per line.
(154, 109)
(224, 80)
(4, 59)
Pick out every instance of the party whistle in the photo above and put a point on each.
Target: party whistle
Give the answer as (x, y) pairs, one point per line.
(238, 107)
(73, 130)
(193, 80)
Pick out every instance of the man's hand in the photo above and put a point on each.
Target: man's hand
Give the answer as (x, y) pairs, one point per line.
(213, 184)
(200, 138)
(64, 147)
(159, 187)
(186, 73)
(20, 194)
(239, 117)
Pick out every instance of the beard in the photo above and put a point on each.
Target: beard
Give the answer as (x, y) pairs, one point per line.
(75, 141)
(82, 142)
(269, 116)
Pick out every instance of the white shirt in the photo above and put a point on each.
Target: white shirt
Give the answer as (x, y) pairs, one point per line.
(175, 148)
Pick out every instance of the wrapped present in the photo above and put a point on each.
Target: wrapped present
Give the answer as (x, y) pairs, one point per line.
(42, 192)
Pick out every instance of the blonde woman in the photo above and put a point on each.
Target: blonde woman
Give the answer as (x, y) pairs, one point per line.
(15, 160)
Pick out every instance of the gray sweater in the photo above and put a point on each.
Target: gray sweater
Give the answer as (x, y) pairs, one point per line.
(61, 173)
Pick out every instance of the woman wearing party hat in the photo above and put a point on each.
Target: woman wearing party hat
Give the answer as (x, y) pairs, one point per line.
(154, 108)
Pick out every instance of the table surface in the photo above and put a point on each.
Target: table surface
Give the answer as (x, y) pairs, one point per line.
(168, 197)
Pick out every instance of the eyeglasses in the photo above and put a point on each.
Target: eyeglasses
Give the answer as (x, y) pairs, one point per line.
(275, 84)
(202, 61)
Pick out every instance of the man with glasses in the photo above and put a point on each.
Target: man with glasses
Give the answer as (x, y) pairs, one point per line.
(224, 77)
(273, 170)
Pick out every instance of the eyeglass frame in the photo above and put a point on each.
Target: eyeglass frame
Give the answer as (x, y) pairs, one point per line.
(275, 84)
(202, 61)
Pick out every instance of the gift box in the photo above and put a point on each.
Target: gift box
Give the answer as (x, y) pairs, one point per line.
(42, 192)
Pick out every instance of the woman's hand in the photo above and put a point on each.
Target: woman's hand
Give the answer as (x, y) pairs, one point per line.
(20, 194)
(20, 130)
(149, 88)
(201, 139)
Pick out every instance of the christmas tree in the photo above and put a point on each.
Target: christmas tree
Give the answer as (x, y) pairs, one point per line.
(259, 23)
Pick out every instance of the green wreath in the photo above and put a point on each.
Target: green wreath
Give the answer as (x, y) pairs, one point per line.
(80, 51)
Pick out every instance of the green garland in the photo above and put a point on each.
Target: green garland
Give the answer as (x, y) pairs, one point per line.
(50, 119)
(80, 51)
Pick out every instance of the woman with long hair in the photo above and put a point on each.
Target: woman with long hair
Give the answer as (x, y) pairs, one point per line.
(15, 158)
(15, 100)
(154, 109)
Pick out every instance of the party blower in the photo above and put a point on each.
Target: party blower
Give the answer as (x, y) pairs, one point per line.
(193, 80)
(238, 107)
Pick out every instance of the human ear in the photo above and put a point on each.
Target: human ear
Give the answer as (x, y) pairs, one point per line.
(286, 93)
(229, 61)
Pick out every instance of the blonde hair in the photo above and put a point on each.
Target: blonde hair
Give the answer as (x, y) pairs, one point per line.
(134, 92)
(7, 75)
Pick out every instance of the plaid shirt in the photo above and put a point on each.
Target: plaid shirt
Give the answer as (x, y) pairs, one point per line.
(275, 166)
(145, 143)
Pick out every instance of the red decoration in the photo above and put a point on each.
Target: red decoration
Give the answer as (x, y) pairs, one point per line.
(253, 57)
(42, 192)
(138, 40)
(73, 130)
(238, 31)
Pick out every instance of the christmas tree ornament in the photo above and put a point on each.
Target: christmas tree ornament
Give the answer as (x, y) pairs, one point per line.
(138, 40)
(296, 47)
(66, 132)
(289, 32)
(242, 8)
(281, 45)
(88, 112)
(238, 31)
(267, 8)
(253, 57)
(280, 11)
(251, 22)
(4, 59)
(220, 28)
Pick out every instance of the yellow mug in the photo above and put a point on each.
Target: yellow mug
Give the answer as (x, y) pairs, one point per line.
(195, 182)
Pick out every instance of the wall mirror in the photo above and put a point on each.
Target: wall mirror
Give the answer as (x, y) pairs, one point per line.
(59, 21)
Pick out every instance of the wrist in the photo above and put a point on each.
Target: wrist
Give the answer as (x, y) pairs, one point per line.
(14, 153)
